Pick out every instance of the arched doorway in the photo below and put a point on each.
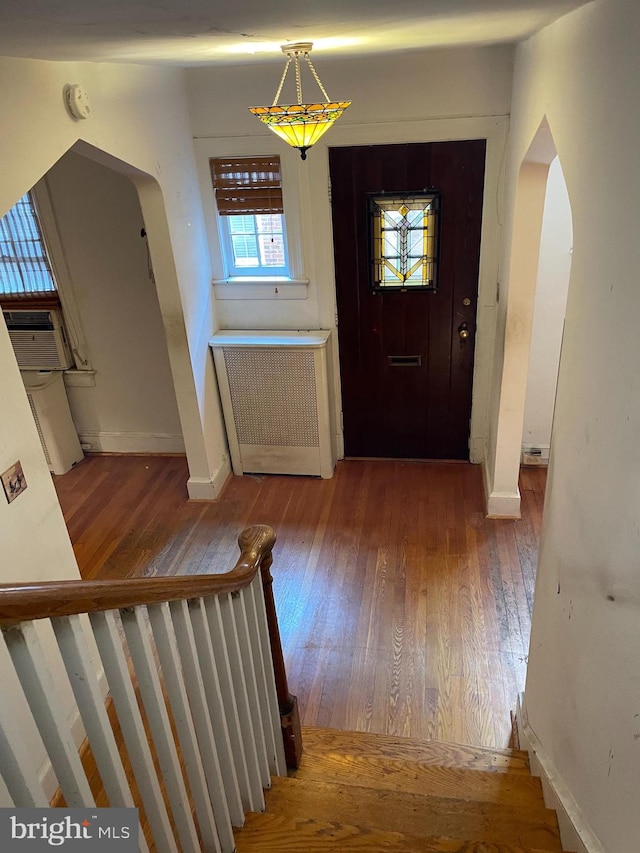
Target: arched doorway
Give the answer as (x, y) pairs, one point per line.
(505, 453)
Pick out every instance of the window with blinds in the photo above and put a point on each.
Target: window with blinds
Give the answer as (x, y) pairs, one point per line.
(25, 269)
(248, 193)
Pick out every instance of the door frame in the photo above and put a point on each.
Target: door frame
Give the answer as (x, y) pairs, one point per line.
(315, 184)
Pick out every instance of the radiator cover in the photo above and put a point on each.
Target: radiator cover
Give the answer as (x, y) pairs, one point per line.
(274, 392)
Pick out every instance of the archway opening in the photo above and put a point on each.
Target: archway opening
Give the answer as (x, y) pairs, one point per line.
(534, 267)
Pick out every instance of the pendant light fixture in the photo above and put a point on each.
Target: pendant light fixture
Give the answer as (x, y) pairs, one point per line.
(301, 125)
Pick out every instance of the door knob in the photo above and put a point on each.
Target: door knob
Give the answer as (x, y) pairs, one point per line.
(463, 332)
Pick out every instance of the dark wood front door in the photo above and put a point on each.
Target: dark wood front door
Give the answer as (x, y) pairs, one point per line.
(406, 356)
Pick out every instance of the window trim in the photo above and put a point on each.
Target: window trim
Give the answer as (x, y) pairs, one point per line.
(49, 226)
(294, 180)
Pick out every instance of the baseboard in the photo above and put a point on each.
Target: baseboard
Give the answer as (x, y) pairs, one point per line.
(575, 832)
(131, 442)
(498, 504)
(209, 489)
(503, 505)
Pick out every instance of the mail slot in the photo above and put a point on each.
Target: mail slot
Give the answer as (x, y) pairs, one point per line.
(405, 360)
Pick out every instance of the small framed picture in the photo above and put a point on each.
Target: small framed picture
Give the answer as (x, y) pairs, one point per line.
(13, 481)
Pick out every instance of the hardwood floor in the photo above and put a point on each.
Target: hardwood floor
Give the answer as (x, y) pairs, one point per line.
(403, 611)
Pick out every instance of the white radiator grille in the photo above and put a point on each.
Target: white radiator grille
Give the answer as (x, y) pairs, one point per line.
(273, 393)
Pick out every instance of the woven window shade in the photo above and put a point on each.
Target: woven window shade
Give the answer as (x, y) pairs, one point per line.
(247, 185)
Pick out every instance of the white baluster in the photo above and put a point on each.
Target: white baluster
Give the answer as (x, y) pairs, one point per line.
(107, 636)
(235, 703)
(261, 682)
(18, 771)
(239, 689)
(248, 663)
(138, 640)
(81, 670)
(174, 679)
(279, 767)
(212, 703)
(206, 740)
(46, 706)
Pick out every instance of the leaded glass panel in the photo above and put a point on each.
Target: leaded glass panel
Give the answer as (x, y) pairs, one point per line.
(404, 241)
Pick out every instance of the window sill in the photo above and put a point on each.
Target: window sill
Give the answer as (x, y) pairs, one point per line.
(261, 288)
(79, 378)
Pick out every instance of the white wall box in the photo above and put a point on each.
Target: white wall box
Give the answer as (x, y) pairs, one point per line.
(48, 400)
(275, 399)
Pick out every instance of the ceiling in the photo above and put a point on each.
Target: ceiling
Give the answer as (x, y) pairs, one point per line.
(227, 32)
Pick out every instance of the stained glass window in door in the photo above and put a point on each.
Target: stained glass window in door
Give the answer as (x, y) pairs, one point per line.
(404, 240)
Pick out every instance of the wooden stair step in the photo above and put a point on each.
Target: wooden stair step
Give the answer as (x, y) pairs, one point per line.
(412, 813)
(428, 751)
(416, 777)
(270, 833)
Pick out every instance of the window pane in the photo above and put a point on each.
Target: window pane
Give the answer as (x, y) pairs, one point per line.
(242, 224)
(245, 250)
(272, 250)
(24, 264)
(269, 223)
(257, 242)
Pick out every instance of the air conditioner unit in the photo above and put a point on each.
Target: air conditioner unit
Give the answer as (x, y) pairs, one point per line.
(275, 399)
(47, 397)
(39, 339)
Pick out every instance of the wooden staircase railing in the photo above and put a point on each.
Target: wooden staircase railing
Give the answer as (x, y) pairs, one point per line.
(195, 670)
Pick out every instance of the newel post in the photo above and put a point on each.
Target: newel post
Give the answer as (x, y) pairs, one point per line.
(288, 704)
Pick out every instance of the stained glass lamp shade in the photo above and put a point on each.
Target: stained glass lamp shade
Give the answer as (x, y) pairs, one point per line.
(301, 125)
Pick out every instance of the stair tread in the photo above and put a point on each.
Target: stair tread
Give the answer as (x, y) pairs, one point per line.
(270, 833)
(443, 753)
(413, 813)
(414, 776)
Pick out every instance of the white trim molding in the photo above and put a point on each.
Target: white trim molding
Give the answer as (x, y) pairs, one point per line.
(499, 504)
(575, 831)
(104, 441)
(503, 505)
(203, 489)
(267, 288)
(477, 447)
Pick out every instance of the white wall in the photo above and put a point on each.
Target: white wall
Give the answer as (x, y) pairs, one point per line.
(139, 125)
(132, 406)
(583, 686)
(424, 96)
(552, 284)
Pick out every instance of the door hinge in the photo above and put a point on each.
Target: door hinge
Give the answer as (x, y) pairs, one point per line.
(342, 421)
(329, 191)
(335, 315)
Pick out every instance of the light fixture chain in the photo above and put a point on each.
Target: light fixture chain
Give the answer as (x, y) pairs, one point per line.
(303, 124)
(298, 80)
(316, 77)
(282, 79)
